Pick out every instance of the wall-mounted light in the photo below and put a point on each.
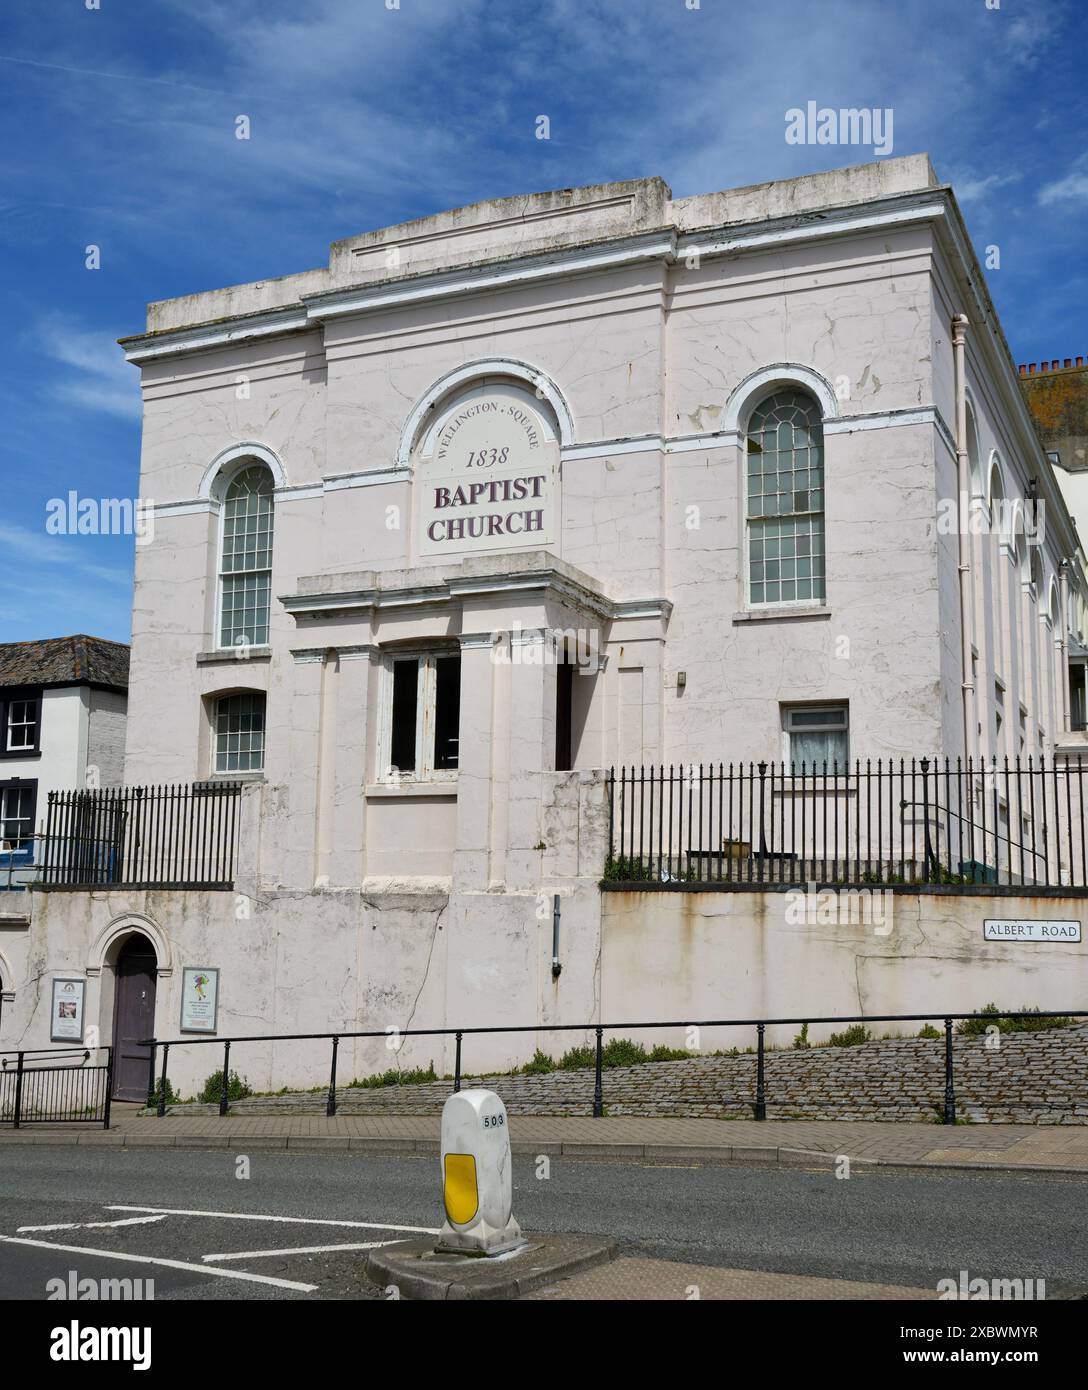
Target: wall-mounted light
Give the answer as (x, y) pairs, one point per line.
(681, 679)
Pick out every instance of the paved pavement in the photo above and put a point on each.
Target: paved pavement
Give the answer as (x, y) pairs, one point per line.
(663, 1281)
(1061, 1148)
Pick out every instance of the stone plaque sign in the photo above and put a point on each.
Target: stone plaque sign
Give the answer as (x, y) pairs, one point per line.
(490, 479)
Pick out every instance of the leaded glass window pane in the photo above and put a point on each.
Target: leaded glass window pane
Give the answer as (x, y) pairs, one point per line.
(786, 500)
(239, 733)
(247, 558)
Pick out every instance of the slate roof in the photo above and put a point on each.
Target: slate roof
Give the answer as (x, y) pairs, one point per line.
(65, 661)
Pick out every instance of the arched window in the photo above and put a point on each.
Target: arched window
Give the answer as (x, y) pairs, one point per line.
(1036, 573)
(1001, 513)
(973, 466)
(786, 500)
(246, 568)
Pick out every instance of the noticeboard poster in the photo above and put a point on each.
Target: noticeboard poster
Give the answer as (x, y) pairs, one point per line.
(67, 1010)
(199, 999)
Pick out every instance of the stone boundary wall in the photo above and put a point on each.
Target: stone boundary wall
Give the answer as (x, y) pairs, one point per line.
(1030, 1078)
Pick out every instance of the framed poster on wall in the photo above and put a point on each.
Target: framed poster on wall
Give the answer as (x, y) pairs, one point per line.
(199, 999)
(66, 1017)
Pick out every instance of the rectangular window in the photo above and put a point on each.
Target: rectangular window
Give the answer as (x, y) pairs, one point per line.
(816, 735)
(20, 722)
(239, 733)
(564, 715)
(402, 746)
(447, 711)
(1078, 706)
(17, 805)
(423, 731)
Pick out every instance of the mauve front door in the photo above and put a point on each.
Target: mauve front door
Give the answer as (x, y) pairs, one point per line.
(133, 1018)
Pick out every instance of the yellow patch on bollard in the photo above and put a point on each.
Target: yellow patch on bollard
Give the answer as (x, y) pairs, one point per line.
(461, 1195)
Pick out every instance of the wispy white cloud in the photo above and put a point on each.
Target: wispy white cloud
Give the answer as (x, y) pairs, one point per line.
(1071, 189)
(98, 377)
(112, 76)
(60, 552)
(1027, 35)
(977, 189)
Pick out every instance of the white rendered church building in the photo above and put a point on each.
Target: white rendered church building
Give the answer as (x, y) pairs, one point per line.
(513, 495)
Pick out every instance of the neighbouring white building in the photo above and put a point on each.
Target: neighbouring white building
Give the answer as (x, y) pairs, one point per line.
(62, 726)
(510, 495)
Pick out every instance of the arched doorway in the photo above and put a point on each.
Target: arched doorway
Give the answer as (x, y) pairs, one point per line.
(135, 974)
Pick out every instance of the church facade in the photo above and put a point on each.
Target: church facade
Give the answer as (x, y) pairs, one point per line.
(516, 494)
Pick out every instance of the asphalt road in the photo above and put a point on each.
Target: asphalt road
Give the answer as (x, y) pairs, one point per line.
(183, 1205)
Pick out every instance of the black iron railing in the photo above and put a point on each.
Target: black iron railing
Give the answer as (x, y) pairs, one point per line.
(159, 1090)
(1009, 824)
(59, 1087)
(164, 837)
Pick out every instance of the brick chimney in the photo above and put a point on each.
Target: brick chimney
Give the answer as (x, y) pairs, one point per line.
(1057, 396)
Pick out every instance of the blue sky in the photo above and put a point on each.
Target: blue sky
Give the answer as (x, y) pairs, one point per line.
(118, 130)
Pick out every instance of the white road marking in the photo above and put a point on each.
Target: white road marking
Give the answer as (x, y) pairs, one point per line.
(164, 1263)
(298, 1250)
(93, 1225)
(297, 1220)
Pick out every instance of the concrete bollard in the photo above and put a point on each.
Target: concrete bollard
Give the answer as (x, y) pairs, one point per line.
(477, 1193)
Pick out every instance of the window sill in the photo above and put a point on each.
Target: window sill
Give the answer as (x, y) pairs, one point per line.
(216, 779)
(222, 655)
(21, 755)
(381, 792)
(774, 614)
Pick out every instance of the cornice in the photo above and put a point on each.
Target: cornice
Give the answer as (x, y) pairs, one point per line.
(546, 580)
(665, 244)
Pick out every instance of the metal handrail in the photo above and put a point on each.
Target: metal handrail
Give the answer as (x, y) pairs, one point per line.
(30, 868)
(54, 1101)
(938, 812)
(85, 1053)
(614, 1027)
(156, 1094)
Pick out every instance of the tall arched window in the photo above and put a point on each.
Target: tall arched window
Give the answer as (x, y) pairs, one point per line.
(786, 500)
(1036, 573)
(246, 568)
(999, 512)
(973, 467)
